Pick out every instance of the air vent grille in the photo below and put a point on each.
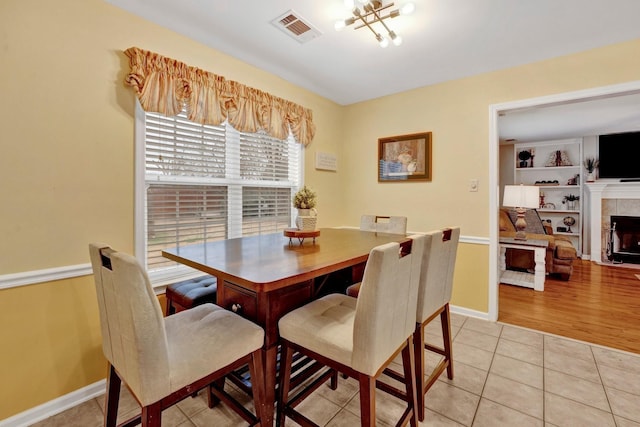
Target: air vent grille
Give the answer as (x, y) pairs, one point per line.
(296, 27)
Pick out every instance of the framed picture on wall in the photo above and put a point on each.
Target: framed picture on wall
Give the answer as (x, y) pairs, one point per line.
(405, 158)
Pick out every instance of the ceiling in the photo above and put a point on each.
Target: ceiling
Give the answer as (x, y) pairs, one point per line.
(442, 40)
(599, 116)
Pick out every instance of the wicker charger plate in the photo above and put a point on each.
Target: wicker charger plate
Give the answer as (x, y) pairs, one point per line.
(292, 233)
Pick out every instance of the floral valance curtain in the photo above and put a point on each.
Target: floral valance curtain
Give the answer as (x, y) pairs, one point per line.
(166, 86)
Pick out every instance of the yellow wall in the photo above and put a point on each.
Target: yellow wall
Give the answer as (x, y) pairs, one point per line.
(66, 169)
(51, 342)
(457, 113)
(67, 166)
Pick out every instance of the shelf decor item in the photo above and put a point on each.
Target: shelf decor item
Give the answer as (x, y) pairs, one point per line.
(590, 164)
(569, 221)
(305, 201)
(570, 200)
(526, 158)
(558, 158)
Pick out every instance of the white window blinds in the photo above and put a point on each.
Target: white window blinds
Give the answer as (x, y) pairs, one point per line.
(206, 183)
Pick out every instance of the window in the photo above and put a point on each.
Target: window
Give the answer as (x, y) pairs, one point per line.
(200, 183)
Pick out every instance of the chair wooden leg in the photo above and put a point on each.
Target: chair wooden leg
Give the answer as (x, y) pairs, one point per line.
(418, 345)
(152, 415)
(286, 359)
(112, 398)
(445, 320)
(212, 399)
(367, 400)
(408, 364)
(256, 370)
(334, 381)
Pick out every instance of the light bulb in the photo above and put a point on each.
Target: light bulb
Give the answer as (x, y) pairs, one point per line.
(407, 9)
(339, 25)
(383, 41)
(349, 4)
(397, 40)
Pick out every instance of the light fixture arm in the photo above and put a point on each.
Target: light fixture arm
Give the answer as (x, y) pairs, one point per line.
(377, 16)
(359, 15)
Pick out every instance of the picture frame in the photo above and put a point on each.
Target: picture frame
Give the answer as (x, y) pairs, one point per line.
(405, 158)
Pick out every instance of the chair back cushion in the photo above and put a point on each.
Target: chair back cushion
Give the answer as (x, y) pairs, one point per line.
(133, 335)
(384, 224)
(436, 276)
(384, 316)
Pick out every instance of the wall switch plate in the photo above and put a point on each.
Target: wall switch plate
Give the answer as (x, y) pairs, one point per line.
(473, 185)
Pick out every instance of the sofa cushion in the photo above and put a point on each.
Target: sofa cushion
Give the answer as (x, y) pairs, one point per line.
(565, 250)
(505, 222)
(534, 223)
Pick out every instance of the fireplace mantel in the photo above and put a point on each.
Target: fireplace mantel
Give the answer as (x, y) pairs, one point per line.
(605, 189)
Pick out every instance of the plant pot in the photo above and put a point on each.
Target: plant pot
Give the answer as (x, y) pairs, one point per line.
(306, 223)
(590, 177)
(306, 219)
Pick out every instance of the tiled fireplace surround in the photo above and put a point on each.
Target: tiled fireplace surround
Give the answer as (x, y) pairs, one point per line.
(607, 198)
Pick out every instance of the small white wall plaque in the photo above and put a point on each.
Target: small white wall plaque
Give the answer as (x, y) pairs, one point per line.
(326, 161)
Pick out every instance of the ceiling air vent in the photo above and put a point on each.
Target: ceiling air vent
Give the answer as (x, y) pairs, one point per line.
(296, 27)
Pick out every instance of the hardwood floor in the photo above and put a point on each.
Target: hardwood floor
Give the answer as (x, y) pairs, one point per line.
(599, 304)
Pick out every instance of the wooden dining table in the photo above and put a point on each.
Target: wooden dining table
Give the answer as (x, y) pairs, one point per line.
(264, 277)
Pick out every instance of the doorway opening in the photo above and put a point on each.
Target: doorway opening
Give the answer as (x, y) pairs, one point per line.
(495, 111)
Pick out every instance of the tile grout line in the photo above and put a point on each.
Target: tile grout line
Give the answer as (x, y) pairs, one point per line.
(604, 388)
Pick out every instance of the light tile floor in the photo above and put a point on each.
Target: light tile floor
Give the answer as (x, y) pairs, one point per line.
(504, 376)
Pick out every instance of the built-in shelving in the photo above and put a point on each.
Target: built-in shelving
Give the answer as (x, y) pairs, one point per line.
(555, 166)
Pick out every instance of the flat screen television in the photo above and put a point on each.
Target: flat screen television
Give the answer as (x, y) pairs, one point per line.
(617, 156)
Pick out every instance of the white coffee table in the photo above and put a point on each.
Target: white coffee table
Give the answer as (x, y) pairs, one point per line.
(520, 278)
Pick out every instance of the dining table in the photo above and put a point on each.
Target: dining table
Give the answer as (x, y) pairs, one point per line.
(263, 277)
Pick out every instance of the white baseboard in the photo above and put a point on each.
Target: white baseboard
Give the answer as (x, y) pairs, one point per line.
(55, 406)
(465, 312)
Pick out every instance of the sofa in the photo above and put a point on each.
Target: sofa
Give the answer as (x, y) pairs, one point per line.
(560, 253)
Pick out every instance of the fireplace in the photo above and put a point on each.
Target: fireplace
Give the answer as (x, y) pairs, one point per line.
(624, 239)
(607, 198)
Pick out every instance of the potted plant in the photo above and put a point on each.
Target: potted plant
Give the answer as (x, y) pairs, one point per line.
(305, 201)
(305, 198)
(590, 164)
(570, 200)
(524, 157)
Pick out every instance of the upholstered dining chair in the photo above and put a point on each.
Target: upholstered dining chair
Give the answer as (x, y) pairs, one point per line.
(359, 337)
(434, 294)
(384, 224)
(164, 360)
(381, 224)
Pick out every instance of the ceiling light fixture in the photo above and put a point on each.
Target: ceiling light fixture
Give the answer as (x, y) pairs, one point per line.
(371, 13)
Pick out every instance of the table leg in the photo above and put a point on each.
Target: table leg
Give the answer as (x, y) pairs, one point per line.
(540, 269)
(270, 362)
(503, 258)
